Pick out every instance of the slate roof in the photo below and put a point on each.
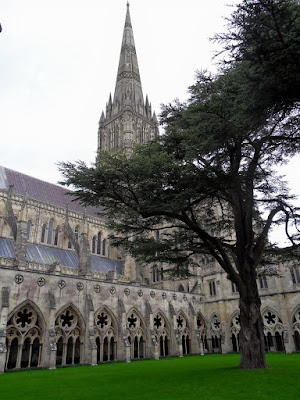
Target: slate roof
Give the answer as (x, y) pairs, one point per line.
(67, 258)
(41, 190)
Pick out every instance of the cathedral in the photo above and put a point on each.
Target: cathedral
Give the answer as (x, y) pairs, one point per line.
(67, 297)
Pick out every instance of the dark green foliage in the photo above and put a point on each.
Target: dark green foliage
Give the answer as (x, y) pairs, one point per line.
(264, 37)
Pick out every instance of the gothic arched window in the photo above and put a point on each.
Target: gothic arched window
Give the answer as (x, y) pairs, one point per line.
(94, 245)
(28, 232)
(69, 340)
(50, 231)
(56, 233)
(99, 243)
(104, 247)
(24, 339)
(43, 233)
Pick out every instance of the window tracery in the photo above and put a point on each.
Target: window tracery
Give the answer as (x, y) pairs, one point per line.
(161, 333)
(24, 339)
(183, 331)
(235, 326)
(296, 329)
(136, 335)
(69, 340)
(105, 336)
(202, 331)
(28, 230)
(216, 334)
(273, 331)
(43, 233)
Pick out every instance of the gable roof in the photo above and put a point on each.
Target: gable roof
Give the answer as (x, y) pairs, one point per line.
(42, 191)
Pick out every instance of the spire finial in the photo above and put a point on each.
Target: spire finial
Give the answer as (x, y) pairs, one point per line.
(128, 4)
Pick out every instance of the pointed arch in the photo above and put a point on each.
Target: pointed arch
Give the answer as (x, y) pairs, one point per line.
(24, 336)
(162, 329)
(28, 229)
(56, 236)
(215, 329)
(183, 329)
(106, 334)
(296, 327)
(136, 333)
(273, 330)
(180, 288)
(50, 231)
(234, 328)
(202, 330)
(69, 335)
(43, 233)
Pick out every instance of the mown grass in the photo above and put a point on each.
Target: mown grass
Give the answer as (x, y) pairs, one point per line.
(210, 377)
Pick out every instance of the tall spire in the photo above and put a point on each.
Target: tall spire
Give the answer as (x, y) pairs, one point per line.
(128, 89)
(128, 120)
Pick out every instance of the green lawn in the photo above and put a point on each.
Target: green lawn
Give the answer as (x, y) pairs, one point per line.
(209, 377)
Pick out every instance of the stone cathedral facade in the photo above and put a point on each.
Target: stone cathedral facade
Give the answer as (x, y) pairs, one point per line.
(67, 297)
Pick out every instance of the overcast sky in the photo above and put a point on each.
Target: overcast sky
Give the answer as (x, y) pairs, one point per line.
(59, 61)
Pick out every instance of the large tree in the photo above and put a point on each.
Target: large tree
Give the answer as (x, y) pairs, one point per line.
(209, 181)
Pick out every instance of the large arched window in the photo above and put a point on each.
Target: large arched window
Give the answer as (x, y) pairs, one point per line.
(216, 334)
(184, 333)
(273, 330)
(136, 335)
(162, 335)
(69, 339)
(104, 247)
(94, 245)
(76, 232)
(106, 335)
(99, 243)
(235, 327)
(24, 339)
(29, 227)
(56, 234)
(50, 231)
(43, 233)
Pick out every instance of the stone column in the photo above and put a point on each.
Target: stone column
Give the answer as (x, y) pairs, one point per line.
(3, 323)
(51, 342)
(123, 343)
(91, 357)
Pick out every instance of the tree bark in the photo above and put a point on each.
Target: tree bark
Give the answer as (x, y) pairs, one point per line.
(251, 335)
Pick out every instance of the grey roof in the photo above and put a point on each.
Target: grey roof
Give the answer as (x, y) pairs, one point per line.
(68, 258)
(41, 190)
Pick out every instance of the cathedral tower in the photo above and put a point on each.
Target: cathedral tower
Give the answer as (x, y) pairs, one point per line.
(128, 119)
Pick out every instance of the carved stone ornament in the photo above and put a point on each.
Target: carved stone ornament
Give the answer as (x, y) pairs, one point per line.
(127, 292)
(184, 297)
(19, 279)
(53, 346)
(2, 332)
(152, 294)
(201, 300)
(112, 290)
(164, 295)
(3, 348)
(51, 332)
(80, 286)
(140, 293)
(174, 296)
(97, 288)
(61, 284)
(93, 344)
(193, 299)
(41, 281)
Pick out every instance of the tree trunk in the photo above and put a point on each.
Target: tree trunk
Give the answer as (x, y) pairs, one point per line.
(251, 335)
